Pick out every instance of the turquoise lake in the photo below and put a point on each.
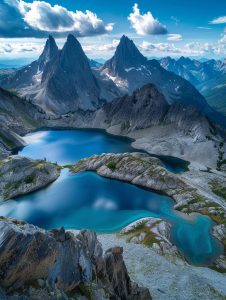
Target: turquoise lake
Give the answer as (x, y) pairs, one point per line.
(89, 201)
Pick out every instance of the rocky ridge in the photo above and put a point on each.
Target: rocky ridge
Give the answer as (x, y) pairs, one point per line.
(56, 264)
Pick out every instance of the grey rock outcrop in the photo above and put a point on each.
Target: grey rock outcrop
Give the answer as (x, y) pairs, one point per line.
(20, 175)
(147, 107)
(59, 261)
(153, 233)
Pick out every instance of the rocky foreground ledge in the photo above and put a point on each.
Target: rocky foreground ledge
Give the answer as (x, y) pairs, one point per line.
(21, 175)
(50, 265)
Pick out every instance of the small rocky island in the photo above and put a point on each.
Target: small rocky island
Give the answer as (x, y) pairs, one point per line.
(21, 175)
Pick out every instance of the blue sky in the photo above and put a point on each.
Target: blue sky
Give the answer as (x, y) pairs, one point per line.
(159, 27)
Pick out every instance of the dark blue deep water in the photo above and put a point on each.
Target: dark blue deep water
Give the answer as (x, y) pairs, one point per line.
(89, 201)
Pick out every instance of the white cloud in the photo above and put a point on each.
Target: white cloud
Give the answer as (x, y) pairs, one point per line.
(111, 46)
(189, 49)
(174, 37)
(220, 20)
(203, 27)
(145, 24)
(41, 16)
(14, 48)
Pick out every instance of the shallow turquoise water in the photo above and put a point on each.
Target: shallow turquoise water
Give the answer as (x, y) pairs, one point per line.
(89, 201)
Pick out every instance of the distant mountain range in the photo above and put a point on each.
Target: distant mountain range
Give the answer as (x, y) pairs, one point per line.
(214, 91)
(63, 81)
(193, 70)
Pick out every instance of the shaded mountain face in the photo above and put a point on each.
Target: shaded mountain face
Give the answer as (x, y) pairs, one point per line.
(195, 71)
(31, 74)
(68, 82)
(147, 107)
(214, 91)
(17, 113)
(130, 70)
(126, 56)
(95, 64)
(17, 116)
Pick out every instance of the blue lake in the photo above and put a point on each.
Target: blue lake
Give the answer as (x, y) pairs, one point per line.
(89, 201)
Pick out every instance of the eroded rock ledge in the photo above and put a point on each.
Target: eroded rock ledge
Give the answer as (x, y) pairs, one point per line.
(21, 175)
(55, 264)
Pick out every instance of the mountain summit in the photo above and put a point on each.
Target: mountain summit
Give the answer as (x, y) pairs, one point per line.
(126, 56)
(49, 52)
(68, 82)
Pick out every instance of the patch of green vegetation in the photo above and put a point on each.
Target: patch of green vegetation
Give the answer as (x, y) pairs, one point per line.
(218, 189)
(149, 238)
(29, 179)
(196, 198)
(219, 218)
(111, 165)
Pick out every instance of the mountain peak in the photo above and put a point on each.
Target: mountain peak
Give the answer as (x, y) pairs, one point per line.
(49, 52)
(129, 52)
(126, 55)
(73, 49)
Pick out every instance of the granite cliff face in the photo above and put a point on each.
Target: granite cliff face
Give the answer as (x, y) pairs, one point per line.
(58, 265)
